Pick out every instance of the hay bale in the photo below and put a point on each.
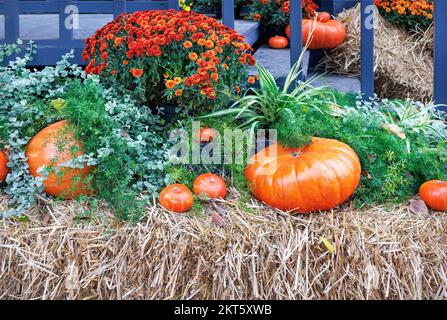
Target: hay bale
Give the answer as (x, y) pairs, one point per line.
(379, 254)
(403, 62)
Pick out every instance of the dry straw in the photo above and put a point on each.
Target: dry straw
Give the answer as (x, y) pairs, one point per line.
(378, 254)
(403, 62)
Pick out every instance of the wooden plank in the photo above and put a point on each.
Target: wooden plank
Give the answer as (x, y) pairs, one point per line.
(296, 37)
(50, 55)
(55, 43)
(339, 5)
(67, 21)
(173, 4)
(440, 59)
(141, 5)
(12, 25)
(367, 49)
(52, 6)
(119, 6)
(228, 13)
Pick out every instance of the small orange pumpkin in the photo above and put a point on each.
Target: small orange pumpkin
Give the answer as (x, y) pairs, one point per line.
(327, 33)
(206, 134)
(278, 42)
(51, 147)
(3, 167)
(176, 198)
(434, 194)
(210, 185)
(319, 176)
(323, 16)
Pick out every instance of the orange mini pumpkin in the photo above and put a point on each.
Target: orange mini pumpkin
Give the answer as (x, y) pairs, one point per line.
(278, 42)
(434, 194)
(3, 167)
(176, 198)
(210, 185)
(206, 134)
(319, 176)
(323, 16)
(327, 33)
(54, 146)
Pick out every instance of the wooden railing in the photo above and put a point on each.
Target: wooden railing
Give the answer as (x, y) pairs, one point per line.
(49, 51)
(367, 47)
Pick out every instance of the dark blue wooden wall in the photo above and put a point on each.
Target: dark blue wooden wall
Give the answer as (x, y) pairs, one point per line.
(50, 50)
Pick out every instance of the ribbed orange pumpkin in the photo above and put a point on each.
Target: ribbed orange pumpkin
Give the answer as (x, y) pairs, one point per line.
(319, 176)
(434, 194)
(327, 33)
(176, 198)
(210, 185)
(51, 147)
(3, 167)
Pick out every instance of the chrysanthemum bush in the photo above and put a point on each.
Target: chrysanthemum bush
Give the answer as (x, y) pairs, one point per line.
(409, 14)
(275, 13)
(171, 57)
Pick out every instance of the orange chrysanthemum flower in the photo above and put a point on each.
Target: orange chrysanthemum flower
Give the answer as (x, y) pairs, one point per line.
(136, 73)
(193, 56)
(170, 84)
(148, 43)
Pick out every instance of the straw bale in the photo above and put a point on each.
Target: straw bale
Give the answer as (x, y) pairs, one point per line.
(380, 253)
(403, 62)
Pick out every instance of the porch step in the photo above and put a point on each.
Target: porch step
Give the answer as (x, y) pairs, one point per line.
(251, 30)
(277, 61)
(340, 83)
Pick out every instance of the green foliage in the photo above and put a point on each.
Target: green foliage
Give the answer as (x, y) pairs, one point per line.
(119, 136)
(274, 14)
(233, 173)
(291, 128)
(23, 114)
(205, 5)
(124, 148)
(262, 108)
(393, 168)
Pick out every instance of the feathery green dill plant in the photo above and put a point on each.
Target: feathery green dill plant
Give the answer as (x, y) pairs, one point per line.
(393, 165)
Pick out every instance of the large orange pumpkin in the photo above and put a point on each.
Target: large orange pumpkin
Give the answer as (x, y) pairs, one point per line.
(434, 194)
(210, 185)
(54, 146)
(176, 198)
(319, 176)
(3, 167)
(327, 33)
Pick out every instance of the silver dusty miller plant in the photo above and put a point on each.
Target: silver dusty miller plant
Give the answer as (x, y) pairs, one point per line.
(26, 97)
(20, 89)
